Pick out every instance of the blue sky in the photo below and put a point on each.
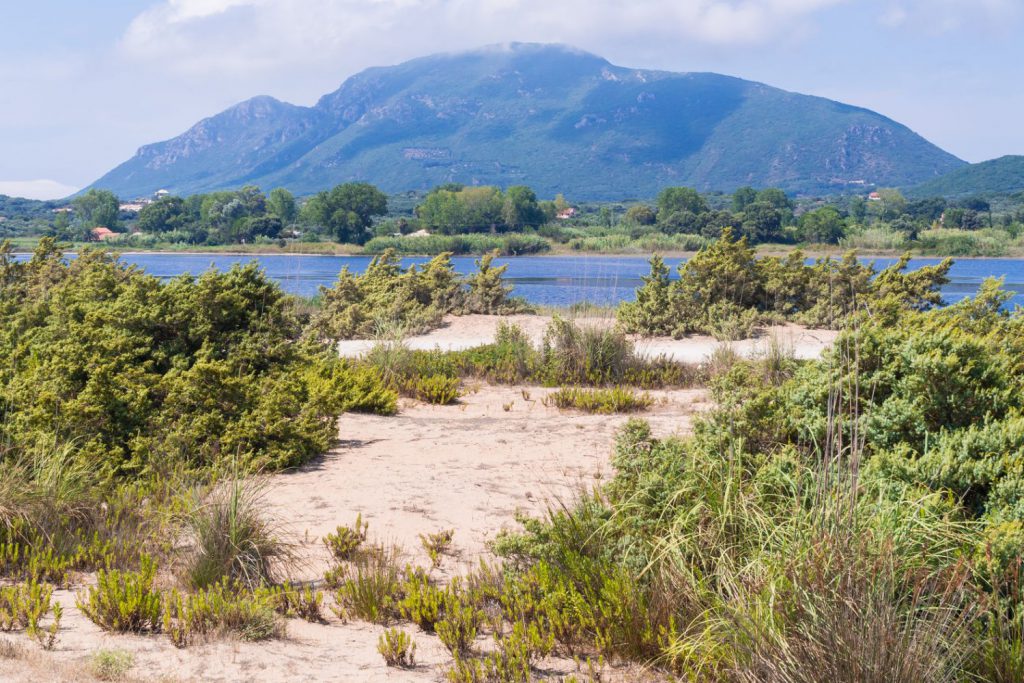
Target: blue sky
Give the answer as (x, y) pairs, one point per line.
(85, 84)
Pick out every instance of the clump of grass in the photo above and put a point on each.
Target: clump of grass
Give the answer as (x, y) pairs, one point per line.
(437, 544)
(577, 354)
(303, 602)
(345, 540)
(110, 665)
(397, 648)
(11, 650)
(232, 537)
(369, 587)
(600, 401)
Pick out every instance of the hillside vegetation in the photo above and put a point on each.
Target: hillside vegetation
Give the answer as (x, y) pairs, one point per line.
(552, 117)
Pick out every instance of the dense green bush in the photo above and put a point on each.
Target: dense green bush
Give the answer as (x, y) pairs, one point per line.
(600, 401)
(158, 376)
(725, 291)
(415, 300)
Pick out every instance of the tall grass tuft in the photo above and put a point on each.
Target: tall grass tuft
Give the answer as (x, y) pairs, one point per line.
(232, 537)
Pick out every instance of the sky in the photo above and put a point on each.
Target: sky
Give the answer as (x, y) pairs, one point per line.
(86, 83)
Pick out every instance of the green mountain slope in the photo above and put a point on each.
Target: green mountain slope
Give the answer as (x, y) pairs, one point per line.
(551, 117)
(1004, 175)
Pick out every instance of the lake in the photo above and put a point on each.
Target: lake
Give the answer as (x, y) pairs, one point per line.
(543, 280)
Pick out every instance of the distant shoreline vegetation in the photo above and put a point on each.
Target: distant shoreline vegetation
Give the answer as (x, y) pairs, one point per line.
(357, 218)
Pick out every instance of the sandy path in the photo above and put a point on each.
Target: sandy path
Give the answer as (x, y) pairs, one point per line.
(467, 467)
(463, 332)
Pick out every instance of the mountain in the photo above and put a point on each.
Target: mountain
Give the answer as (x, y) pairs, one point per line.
(552, 117)
(1004, 175)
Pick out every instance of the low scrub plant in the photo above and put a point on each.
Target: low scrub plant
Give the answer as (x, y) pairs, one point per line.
(111, 665)
(600, 401)
(124, 601)
(345, 541)
(397, 648)
(24, 606)
(437, 544)
(222, 609)
(368, 588)
(302, 602)
(436, 389)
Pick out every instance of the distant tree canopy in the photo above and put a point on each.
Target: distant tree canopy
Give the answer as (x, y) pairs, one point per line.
(281, 203)
(97, 208)
(453, 209)
(347, 211)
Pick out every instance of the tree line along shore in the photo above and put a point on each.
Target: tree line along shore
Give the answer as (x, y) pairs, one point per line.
(359, 218)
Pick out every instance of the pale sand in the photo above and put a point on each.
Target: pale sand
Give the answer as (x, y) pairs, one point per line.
(468, 467)
(467, 331)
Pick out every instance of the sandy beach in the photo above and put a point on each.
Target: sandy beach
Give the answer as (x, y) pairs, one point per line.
(467, 331)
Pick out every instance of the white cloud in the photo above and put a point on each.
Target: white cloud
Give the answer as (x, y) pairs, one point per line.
(245, 36)
(36, 189)
(946, 16)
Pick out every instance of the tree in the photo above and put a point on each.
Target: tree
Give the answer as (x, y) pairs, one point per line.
(97, 208)
(520, 208)
(742, 198)
(676, 199)
(762, 222)
(163, 215)
(347, 211)
(641, 214)
(281, 203)
(822, 225)
(891, 204)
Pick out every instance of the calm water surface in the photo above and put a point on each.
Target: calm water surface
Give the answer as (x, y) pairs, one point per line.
(545, 280)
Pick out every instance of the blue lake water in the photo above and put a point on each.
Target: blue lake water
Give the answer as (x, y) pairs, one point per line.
(544, 280)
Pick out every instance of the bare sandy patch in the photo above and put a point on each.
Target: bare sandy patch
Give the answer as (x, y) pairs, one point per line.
(467, 331)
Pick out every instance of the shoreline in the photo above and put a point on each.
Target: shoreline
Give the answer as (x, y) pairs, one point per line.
(762, 251)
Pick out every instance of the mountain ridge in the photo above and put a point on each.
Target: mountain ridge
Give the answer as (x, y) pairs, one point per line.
(553, 117)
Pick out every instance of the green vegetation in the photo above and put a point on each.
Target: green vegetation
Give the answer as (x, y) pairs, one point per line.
(110, 665)
(726, 291)
(413, 300)
(397, 648)
(600, 401)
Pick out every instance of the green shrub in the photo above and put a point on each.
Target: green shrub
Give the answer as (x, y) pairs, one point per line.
(158, 375)
(437, 544)
(369, 588)
(302, 602)
(459, 626)
(600, 401)
(436, 389)
(23, 606)
(123, 601)
(422, 602)
(397, 648)
(345, 541)
(110, 665)
(222, 609)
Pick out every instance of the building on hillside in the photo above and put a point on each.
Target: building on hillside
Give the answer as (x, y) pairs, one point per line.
(99, 234)
(566, 214)
(874, 197)
(131, 207)
(160, 194)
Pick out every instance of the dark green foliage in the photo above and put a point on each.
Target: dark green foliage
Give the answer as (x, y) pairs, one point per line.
(162, 375)
(347, 211)
(413, 300)
(726, 291)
